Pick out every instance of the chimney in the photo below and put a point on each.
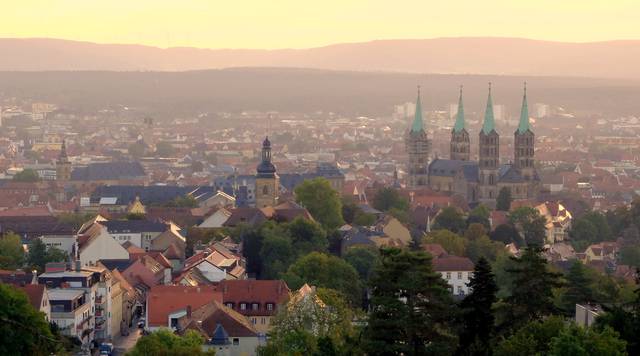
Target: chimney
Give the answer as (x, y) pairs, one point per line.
(34, 278)
(189, 311)
(78, 266)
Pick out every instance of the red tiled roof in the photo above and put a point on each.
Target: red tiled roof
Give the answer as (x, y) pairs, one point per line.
(254, 291)
(452, 263)
(164, 300)
(34, 292)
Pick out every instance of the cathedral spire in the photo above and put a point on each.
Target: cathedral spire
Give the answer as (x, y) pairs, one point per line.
(489, 121)
(62, 157)
(417, 125)
(459, 126)
(523, 126)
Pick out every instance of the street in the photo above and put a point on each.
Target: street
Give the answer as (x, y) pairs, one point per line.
(122, 344)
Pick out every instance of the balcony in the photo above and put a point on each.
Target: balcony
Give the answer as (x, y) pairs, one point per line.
(100, 299)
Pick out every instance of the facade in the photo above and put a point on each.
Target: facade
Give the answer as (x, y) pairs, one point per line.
(558, 221)
(456, 271)
(418, 148)
(267, 180)
(477, 181)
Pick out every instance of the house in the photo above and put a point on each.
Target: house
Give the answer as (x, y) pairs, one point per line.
(216, 219)
(219, 200)
(603, 251)
(394, 229)
(38, 297)
(109, 173)
(227, 331)
(586, 314)
(558, 221)
(108, 303)
(456, 271)
(139, 232)
(172, 237)
(167, 304)
(258, 300)
(95, 243)
(30, 227)
(215, 263)
(130, 298)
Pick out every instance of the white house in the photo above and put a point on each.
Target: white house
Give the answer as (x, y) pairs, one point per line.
(456, 271)
(97, 244)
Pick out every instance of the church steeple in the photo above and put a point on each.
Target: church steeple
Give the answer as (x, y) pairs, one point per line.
(417, 125)
(523, 126)
(63, 157)
(267, 180)
(459, 125)
(489, 121)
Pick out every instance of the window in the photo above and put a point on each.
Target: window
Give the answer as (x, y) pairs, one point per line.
(236, 341)
(459, 275)
(255, 306)
(243, 306)
(265, 190)
(460, 291)
(263, 320)
(269, 306)
(448, 275)
(253, 321)
(229, 305)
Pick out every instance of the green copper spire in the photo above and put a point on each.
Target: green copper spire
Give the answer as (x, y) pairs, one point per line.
(523, 126)
(489, 122)
(417, 120)
(459, 126)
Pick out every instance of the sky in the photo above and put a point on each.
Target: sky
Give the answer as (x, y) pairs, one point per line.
(270, 24)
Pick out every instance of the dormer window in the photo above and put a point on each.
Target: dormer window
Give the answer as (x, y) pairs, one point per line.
(269, 306)
(229, 305)
(255, 306)
(243, 306)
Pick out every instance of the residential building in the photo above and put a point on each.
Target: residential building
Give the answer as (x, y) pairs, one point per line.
(167, 304)
(456, 271)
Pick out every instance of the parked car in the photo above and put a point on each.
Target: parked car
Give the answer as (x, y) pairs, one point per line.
(141, 323)
(106, 349)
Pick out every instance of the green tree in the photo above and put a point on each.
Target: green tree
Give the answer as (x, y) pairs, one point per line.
(410, 310)
(322, 270)
(388, 198)
(364, 259)
(39, 255)
(533, 283)
(534, 338)
(476, 312)
(503, 201)
(530, 224)
(23, 329)
(507, 234)
(11, 252)
(75, 220)
(307, 236)
(450, 219)
(353, 214)
(578, 288)
(583, 233)
(629, 255)
(452, 243)
(479, 215)
(322, 201)
(483, 247)
(276, 254)
(27, 175)
(165, 343)
(577, 341)
(165, 149)
(475, 231)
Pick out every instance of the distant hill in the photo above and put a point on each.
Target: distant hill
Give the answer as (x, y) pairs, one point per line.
(466, 55)
(172, 94)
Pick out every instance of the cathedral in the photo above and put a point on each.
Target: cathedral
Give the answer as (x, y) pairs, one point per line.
(477, 181)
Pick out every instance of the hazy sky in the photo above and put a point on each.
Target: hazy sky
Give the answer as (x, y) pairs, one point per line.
(306, 23)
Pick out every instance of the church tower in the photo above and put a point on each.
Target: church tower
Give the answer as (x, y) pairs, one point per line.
(489, 156)
(524, 141)
(418, 148)
(63, 165)
(267, 180)
(460, 146)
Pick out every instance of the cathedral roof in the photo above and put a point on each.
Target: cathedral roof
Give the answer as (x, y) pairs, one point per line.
(450, 167)
(489, 121)
(523, 126)
(459, 125)
(417, 125)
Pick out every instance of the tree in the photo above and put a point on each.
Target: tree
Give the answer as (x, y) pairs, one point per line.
(353, 214)
(307, 236)
(530, 224)
(534, 338)
(165, 149)
(39, 255)
(503, 201)
(364, 259)
(388, 198)
(475, 231)
(629, 255)
(578, 288)
(322, 270)
(583, 233)
(27, 175)
(11, 252)
(322, 201)
(23, 329)
(476, 311)
(410, 309)
(452, 243)
(164, 343)
(507, 233)
(450, 219)
(479, 215)
(533, 283)
(276, 254)
(577, 341)
(137, 149)
(483, 247)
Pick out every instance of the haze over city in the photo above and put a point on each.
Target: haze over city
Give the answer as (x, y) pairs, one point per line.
(332, 178)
